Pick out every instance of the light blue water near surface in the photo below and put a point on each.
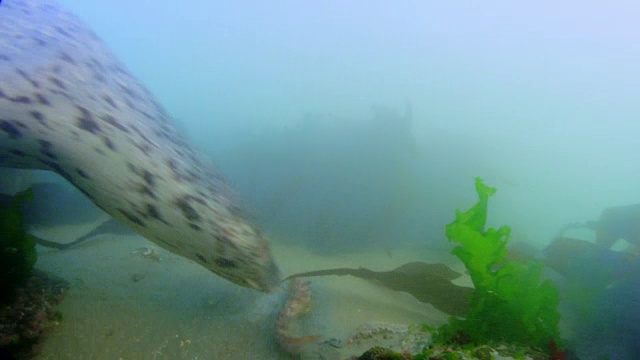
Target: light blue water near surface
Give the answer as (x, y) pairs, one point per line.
(536, 98)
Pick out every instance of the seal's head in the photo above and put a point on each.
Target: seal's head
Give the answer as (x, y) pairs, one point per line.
(217, 236)
(68, 105)
(245, 259)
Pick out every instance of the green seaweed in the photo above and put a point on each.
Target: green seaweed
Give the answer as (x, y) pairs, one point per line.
(17, 247)
(511, 301)
(380, 353)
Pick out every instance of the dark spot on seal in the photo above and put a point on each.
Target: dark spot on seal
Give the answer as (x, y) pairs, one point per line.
(140, 133)
(4, 57)
(21, 99)
(30, 80)
(145, 148)
(146, 190)
(197, 199)
(149, 178)
(10, 129)
(152, 210)
(146, 114)
(99, 77)
(132, 94)
(189, 212)
(134, 219)
(17, 152)
(174, 169)
(62, 32)
(202, 258)
(40, 42)
(37, 115)
(42, 99)
(225, 263)
(110, 101)
(192, 176)
(57, 82)
(86, 122)
(113, 122)
(95, 63)
(142, 213)
(45, 149)
(65, 57)
(132, 168)
(82, 174)
(107, 141)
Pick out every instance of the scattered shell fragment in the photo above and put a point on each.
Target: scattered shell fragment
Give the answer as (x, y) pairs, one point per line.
(149, 253)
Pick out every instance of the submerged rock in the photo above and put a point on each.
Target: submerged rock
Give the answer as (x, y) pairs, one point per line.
(28, 318)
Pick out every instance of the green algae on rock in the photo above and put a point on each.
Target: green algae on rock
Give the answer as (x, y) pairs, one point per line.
(511, 302)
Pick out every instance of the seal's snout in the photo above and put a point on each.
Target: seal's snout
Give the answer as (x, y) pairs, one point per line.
(272, 277)
(268, 279)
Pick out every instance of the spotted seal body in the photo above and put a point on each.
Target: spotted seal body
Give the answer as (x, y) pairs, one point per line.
(68, 105)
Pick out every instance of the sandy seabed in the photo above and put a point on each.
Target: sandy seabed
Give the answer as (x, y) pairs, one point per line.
(129, 299)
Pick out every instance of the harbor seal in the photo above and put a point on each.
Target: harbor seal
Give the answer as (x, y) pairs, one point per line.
(68, 105)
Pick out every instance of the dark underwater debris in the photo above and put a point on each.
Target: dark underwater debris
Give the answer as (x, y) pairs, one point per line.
(575, 259)
(28, 297)
(28, 318)
(618, 222)
(429, 283)
(17, 247)
(600, 286)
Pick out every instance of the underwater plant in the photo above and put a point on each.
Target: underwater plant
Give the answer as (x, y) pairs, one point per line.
(17, 247)
(511, 301)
